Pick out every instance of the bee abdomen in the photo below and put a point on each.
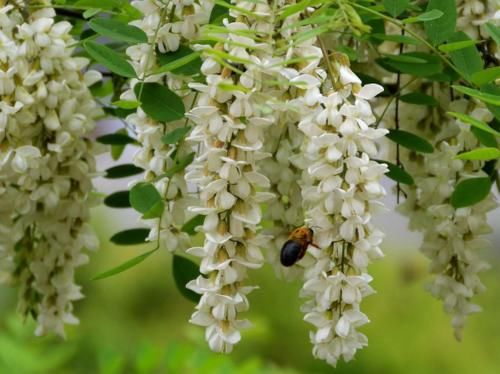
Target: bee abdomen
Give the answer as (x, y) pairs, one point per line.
(291, 252)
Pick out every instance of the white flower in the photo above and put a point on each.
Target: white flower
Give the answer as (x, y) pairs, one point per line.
(46, 113)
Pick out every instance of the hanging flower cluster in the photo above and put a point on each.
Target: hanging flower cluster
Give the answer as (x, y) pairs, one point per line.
(231, 117)
(46, 164)
(339, 207)
(168, 28)
(452, 237)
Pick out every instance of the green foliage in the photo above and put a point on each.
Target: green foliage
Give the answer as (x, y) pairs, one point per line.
(118, 30)
(410, 141)
(145, 198)
(190, 226)
(123, 171)
(396, 7)
(184, 270)
(470, 191)
(176, 135)
(184, 61)
(112, 60)
(484, 154)
(116, 139)
(466, 59)
(419, 98)
(440, 29)
(474, 122)
(397, 173)
(130, 236)
(119, 199)
(159, 102)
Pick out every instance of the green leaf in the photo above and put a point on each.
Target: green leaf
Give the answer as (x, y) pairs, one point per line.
(145, 198)
(96, 4)
(419, 98)
(184, 271)
(90, 13)
(119, 199)
(218, 14)
(159, 102)
(494, 90)
(410, 141)
(105, 56)
(117, 150)
(130, 237)
(432, 65)
(440, 29)
(115, 139)
(484, 97)
(484, 137)
(102, 88)
(125, 266)
(118, 30)
(425, 17)
(397, 173)
(486, 76)
(467, 60)
(483, 154)
(173, 137)
(190, 226)
(180, 166)
(396, 38)
(126, 104)
(456, 46)
(474, 122)
(406, 58)
(396, 7)
(470, 191)
(123, 171)
(184, 61)
(494, 31)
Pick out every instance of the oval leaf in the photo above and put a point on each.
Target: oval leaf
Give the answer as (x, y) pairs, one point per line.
(483, 154)
(440, 29)
(145, 198)
(105, 56)
(470, 191)
(115, 139)
(419, 98)
(410, 141)
(485, 97)
(130, 237)
(474, 122)
(397, 173)
(123, 171)
(486, 76)
(185, 270)
(118, 30)
(176, 135)
(119, 199)
(396, 7)
(159, 102)
(190, 226)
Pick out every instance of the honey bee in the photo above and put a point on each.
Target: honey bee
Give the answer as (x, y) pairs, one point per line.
(296, 246)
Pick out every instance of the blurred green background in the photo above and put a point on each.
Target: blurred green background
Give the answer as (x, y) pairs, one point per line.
(136, 322)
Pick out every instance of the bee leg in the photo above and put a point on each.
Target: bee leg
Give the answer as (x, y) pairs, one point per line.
(315, 245)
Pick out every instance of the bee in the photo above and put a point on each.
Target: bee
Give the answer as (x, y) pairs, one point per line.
(296, 246)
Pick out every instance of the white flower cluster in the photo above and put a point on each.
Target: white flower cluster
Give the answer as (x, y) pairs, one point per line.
(46, 164)
(231, 116)
(168, 27)
(340, 204)
(452, 237)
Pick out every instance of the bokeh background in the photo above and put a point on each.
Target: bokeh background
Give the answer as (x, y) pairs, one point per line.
(136, 322)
